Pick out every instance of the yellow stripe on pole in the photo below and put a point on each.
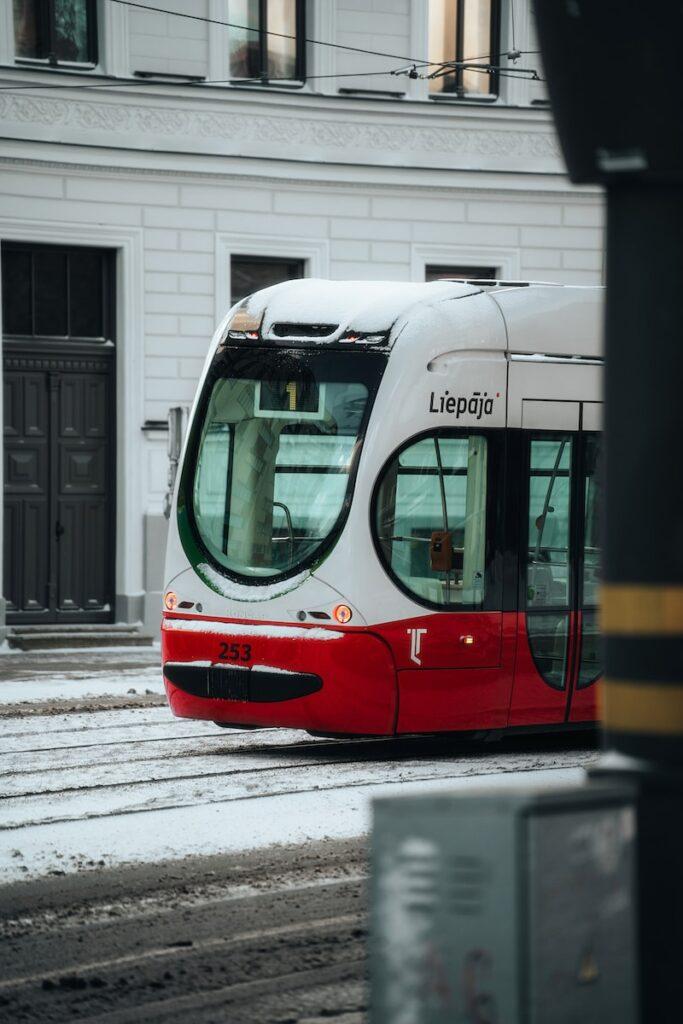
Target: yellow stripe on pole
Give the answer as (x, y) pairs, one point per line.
(641, 609)
(646, 708)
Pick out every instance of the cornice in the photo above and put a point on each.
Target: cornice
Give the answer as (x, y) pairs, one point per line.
(417, 136)
(446, 187)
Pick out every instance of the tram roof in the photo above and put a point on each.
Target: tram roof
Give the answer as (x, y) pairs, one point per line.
(539, 317)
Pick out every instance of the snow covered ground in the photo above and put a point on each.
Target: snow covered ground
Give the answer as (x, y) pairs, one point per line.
(81, 790)
(68, 674)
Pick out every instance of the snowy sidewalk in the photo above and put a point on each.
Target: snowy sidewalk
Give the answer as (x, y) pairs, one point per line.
(83, 678)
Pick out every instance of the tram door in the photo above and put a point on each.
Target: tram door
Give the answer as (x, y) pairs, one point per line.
(558, 659)
(437, 518)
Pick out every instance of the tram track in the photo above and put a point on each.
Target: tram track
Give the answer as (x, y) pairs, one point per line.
(146, 880)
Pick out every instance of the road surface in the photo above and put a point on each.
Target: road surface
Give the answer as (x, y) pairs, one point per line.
(160, 870)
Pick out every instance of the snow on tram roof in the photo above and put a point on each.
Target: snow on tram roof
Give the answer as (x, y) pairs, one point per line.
(366, 305)
(567, 318)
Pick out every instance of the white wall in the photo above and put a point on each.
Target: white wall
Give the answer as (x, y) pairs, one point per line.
(371, 231)
(162, 42)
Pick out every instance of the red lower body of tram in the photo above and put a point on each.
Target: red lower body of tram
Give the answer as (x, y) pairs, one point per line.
(435, 673)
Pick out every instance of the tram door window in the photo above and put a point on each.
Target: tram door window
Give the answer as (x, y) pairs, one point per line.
(547, 572)
(560, 567)
(431, 520)
(590, 666)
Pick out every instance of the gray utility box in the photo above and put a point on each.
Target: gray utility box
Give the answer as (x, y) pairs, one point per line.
(504, 907)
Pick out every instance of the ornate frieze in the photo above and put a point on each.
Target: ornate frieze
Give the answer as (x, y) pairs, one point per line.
(419, 137)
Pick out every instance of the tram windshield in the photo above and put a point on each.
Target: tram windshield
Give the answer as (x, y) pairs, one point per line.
(276, 456)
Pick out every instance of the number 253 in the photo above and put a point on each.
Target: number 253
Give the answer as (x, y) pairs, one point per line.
(235, 652)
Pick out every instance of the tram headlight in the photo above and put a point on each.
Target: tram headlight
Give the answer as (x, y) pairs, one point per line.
(244, 326)
(170, 601)
(342, 614)
(361, 338)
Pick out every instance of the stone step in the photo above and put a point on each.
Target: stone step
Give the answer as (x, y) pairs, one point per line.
(74, 627)
(43, 639)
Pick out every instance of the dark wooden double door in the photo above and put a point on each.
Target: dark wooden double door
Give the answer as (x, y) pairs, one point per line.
(58, 486)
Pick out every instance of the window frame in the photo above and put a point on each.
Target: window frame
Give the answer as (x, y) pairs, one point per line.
(108, 277)
(459, 93)
(263, 79)
(496, 439)
(47, 34)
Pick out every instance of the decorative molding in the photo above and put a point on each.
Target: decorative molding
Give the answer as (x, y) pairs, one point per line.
(451, 140)
(315, 253)
(86, 364)
(129, 374)
(507, 261)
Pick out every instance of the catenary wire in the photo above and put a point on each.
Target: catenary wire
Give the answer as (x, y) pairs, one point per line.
(188, 82)
(520, 73)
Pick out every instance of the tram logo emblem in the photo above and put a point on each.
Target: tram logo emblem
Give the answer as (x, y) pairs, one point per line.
(416, 644)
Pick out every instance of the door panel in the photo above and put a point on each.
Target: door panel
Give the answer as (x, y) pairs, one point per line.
(584, 703)
(26, 493)
(436, 515)
(83, 497)
(58, 487)
(34, 541)
(542, 678)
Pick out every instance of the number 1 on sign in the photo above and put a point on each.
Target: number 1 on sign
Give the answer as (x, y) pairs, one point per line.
(291, 391)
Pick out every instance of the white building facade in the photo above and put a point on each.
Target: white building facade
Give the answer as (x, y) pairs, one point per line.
(208, 161)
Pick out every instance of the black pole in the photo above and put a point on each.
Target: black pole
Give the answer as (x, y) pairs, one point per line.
(620, 125)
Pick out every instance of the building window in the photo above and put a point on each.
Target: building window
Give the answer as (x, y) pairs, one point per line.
(54, 292)
(465, 31)
(56, 31)
(269, 44)
(251, 273)
(442, 273)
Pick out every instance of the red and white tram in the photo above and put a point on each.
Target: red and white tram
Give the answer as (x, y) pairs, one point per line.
(386, 517)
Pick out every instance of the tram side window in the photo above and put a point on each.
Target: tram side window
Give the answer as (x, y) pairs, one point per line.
(430, 518)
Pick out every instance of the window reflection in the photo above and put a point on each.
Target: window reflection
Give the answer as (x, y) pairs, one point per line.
(265, 43)
(548, 639)
(592, 510)
(62, 30)
(463, 30)
(590, 665)
(434, 493)
(548, 538)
